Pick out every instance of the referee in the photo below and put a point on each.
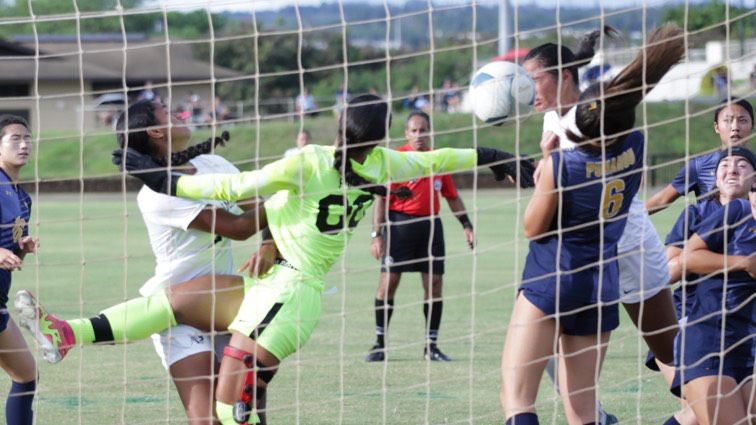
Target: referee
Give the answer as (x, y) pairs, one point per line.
(415, 241)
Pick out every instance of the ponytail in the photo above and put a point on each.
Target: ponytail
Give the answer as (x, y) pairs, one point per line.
(616, 108)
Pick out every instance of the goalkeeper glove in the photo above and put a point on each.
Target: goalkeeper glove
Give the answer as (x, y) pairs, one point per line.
(504, 164)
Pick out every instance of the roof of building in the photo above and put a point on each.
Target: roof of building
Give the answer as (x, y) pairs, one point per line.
(105, 59)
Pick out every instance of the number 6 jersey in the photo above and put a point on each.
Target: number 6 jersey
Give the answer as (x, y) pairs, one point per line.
(595, 195)
(311, 214)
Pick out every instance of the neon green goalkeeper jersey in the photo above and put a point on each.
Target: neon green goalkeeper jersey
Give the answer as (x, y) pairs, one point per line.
(311, 215)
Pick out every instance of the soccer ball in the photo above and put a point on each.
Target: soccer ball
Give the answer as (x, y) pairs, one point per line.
(496, 87)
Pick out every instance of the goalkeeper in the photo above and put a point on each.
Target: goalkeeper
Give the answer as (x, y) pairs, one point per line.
(319, 196)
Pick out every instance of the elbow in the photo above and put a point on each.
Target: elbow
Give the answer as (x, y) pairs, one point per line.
(533, 231)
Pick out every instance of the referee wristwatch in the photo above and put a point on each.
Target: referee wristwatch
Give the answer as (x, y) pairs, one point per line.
(374, 234)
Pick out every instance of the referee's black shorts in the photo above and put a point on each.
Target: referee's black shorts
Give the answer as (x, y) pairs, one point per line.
(413, 244)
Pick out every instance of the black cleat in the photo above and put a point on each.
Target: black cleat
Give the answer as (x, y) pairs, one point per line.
(376, 354)
(433, 354)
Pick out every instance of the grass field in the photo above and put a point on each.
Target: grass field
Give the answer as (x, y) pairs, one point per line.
(94, 252)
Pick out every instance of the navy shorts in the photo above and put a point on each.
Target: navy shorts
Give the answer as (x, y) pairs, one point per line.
(584, 321)
(4, 318)
(699, 353)
(413, 244)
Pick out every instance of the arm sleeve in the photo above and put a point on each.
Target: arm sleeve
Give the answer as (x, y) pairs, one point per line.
(712, 230)
(679, 181)
(448, 188)
(288, 173)
(678, 235)
(384, 165)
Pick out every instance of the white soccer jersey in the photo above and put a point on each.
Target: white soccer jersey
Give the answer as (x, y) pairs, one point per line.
(182, 253)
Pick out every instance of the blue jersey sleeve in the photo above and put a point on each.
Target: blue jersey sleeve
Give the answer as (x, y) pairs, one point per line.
(679, 182)
(684, 227)
(718, 227)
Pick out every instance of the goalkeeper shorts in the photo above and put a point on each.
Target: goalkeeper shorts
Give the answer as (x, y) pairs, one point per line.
(279, 311)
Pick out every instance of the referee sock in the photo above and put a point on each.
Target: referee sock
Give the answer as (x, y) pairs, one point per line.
(18, 406)
(383, 311)
(132, 320)
(523, 419)
(433, 309)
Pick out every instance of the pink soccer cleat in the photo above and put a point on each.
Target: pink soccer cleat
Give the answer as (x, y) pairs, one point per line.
(54, 336)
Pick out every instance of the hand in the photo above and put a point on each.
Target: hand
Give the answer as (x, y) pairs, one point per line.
(504, 164)
(376, 247)
(549, 142)
(146, 169)
(469, 237)
(750, 267)
(261, 261)
(28, 245)
(9, 260)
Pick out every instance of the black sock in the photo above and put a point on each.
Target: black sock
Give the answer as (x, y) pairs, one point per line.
(18, 406)
(523, 419)
(383, 311)
(432, 324)
(671, 421)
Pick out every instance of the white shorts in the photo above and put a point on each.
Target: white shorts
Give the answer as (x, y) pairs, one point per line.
(642, 274)
(182, 341)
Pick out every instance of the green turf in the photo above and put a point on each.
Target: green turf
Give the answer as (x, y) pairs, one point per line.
(67, 156)
(95, 253)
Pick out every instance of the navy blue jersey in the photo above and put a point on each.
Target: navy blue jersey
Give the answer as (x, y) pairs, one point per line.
(724, 314)
(686, 225)
(701, 175)
(730, 231)
(15, 209)
(584, 248)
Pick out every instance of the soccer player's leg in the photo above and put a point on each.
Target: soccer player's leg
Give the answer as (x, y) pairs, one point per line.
(581, 357)
(276, 318)
(716, 399)
(644, 277)
(196, 303)
(529, 343)
(16, 360)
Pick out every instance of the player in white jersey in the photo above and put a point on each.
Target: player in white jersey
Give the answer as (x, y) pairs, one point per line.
(189, 239)
(644, 274)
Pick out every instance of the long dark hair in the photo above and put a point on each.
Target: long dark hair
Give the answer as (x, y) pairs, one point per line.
(547, 55)
(611, 111)
(141, 116)
(362, 125)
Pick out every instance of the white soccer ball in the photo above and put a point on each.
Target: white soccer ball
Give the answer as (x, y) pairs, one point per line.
(495, 89)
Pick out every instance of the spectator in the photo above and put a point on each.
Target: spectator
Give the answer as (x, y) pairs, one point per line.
(342, 97)
(148, 92)
(221, 110)
(753, 78)
(303, 139)
(416, 101)
(720, 82)
(305, 104)
(449, 96)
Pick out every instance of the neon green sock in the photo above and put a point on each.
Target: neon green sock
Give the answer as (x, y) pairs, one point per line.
(141, 317)
(82, 330)
(225, 414)
(132, 320)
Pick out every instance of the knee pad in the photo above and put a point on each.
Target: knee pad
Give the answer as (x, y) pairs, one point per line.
(244, 410)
